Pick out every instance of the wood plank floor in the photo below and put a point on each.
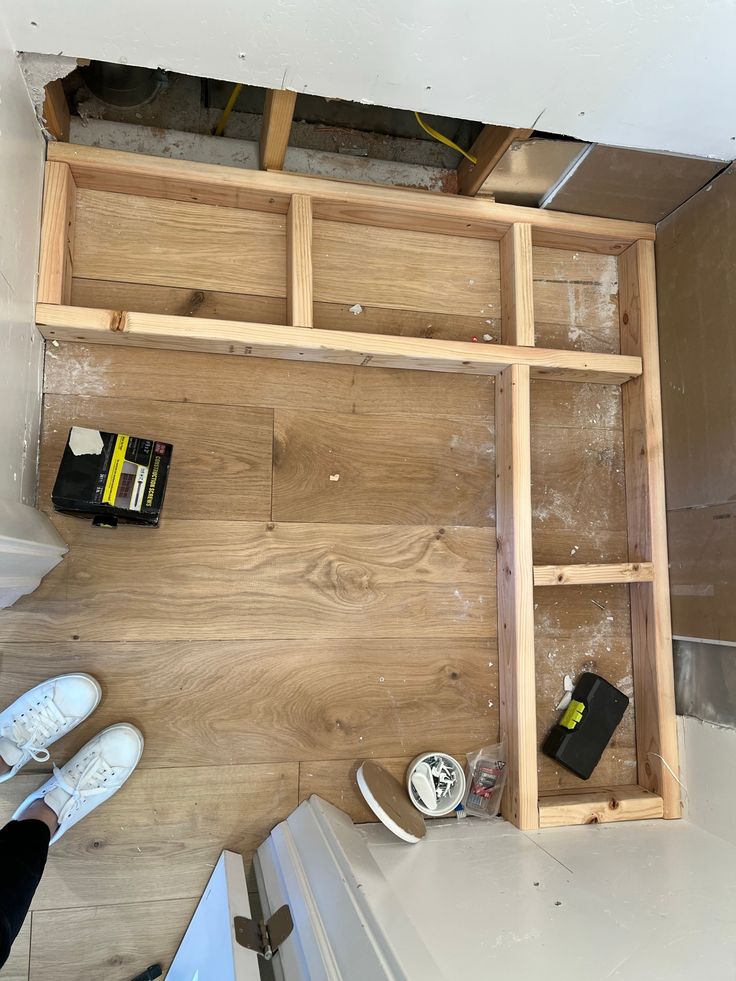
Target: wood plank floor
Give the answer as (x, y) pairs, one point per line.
(282, 625)
(18, 964)
(119, 941)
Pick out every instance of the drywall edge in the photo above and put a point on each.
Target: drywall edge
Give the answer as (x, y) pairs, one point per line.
(22, 151)
(649, 75)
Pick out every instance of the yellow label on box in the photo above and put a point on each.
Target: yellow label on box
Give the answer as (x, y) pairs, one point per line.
(116, 468)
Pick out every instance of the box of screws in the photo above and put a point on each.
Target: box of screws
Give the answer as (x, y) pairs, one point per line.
(436, 784)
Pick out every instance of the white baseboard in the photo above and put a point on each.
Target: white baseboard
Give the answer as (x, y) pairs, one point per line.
(29, 549)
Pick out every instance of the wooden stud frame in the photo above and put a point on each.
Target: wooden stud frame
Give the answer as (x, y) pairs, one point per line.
(488, 149)
(56, 115)
(278, 113)
(515, 363)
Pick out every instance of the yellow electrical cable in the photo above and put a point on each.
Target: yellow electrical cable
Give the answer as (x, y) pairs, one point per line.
(220, 128)
(444, 139)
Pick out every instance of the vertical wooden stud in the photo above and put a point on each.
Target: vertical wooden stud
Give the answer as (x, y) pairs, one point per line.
(278, 113)
(656, 732)
(490, 146)
(515, 586)
(56, 114)
(299, 302)
(515, 570)
(57, 230)
(517, 292)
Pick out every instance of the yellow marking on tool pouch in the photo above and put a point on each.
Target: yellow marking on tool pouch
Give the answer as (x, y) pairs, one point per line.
(116, 468)
(573, 714)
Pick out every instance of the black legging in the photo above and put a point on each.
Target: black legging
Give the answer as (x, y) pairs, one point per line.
(24, 846)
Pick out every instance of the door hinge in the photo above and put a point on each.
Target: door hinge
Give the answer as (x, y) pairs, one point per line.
(264, 938)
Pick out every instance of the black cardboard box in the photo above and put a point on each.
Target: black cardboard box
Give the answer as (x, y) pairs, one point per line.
(114, 476)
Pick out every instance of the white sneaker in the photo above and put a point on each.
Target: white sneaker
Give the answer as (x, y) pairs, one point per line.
(44, 714)
(97, 771)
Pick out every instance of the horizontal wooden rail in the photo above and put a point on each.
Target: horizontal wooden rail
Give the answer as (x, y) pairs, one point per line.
(585, 575)
(338, 347)
(602, 806)
(184, 180)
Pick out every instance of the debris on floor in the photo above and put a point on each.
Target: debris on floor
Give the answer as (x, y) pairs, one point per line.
(567, 697)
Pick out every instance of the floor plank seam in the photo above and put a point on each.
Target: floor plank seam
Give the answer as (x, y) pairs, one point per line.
(138, 902)
(30, 943)
(534, 839)
(273, 462)
(304, 638)
(70, 392)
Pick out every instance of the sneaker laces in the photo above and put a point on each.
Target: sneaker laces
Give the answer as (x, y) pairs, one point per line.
(37, 724)
(86, 785)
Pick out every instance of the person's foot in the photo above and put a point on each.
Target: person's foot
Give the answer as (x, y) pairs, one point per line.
(44, 714)
(92, 776)
(38, 811)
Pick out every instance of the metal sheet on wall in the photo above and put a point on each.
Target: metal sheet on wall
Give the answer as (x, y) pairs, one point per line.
(612, 182)
(705, 681)
(529, 168)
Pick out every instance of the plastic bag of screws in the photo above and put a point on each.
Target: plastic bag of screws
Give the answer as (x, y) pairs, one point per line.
(486, 780)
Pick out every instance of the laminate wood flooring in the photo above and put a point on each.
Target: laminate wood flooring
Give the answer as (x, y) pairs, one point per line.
(321, 590)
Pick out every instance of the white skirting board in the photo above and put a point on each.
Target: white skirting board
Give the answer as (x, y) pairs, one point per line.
(23, 568)
(347, 922)
(29, 548)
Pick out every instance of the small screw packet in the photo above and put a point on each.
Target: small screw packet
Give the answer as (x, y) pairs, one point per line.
(486, 779)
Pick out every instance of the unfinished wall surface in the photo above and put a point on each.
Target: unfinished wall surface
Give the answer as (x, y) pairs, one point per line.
(21, 346)
(697, 300)
(617, 183)
(650, 75)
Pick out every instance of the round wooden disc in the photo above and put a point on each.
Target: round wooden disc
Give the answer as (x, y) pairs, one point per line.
(390, 802)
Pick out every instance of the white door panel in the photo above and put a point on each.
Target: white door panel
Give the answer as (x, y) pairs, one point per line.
(209, 950)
